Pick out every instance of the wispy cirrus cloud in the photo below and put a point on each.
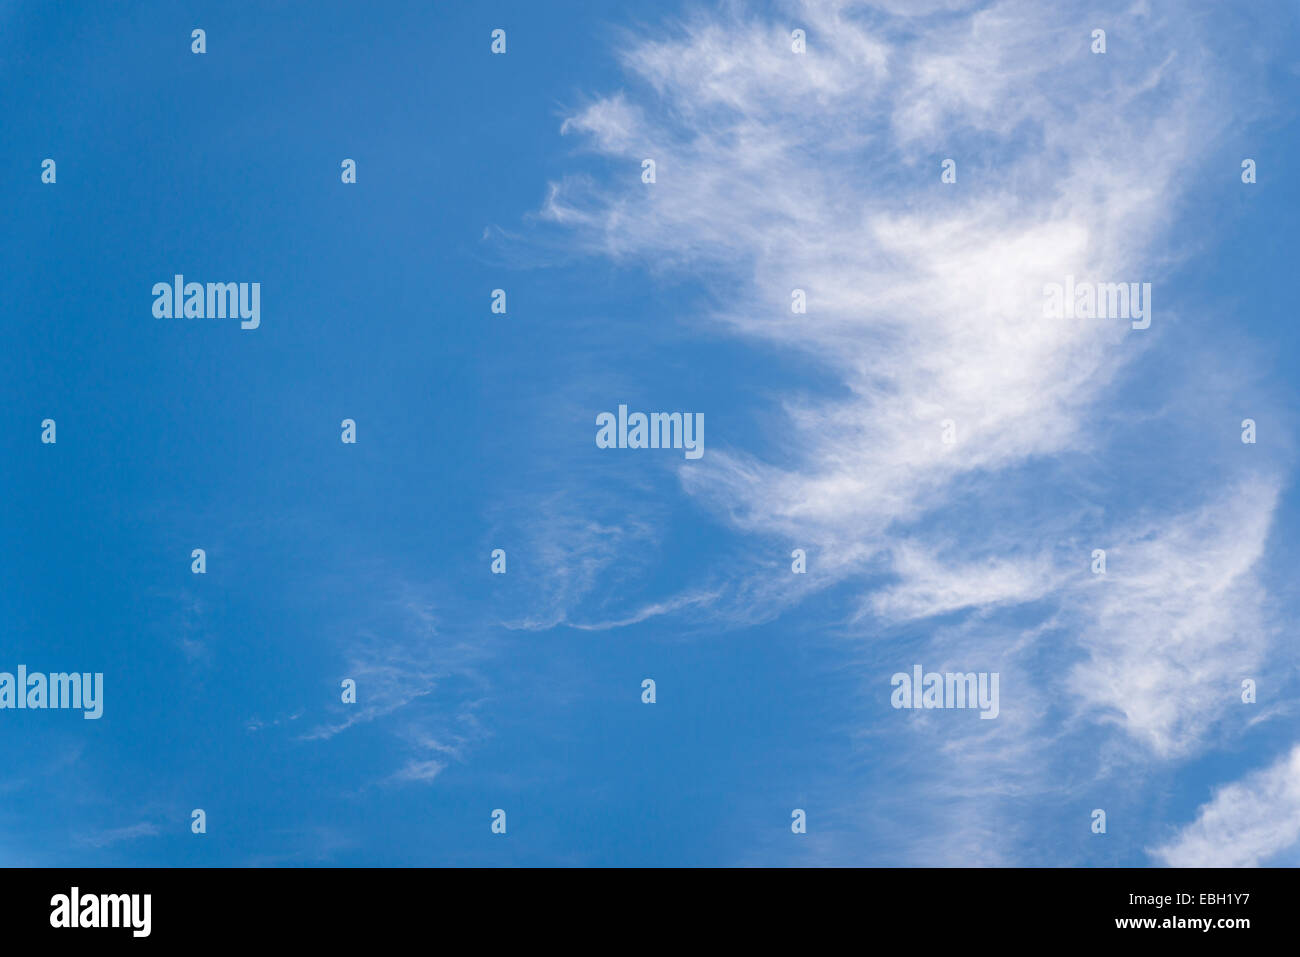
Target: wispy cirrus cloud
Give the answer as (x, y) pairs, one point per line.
(1179, 621)
(1245, 824)
(778, 171)
(820, 172)
(116, 835)
(422, 680)
(567, 548)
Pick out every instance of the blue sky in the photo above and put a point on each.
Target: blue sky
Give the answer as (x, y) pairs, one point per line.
(475, 431)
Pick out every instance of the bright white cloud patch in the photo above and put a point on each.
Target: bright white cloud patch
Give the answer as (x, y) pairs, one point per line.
(1179, 621)
(947, 384)
(1245, 823)
(821, 172)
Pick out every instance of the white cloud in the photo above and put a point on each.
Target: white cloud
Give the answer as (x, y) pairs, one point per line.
(1245, 823)
(821, 172)
(116, 835)
(423, 771)
(565, 546)
(931, 587)
(652, 610)
(404, 656)
(1178, 621)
